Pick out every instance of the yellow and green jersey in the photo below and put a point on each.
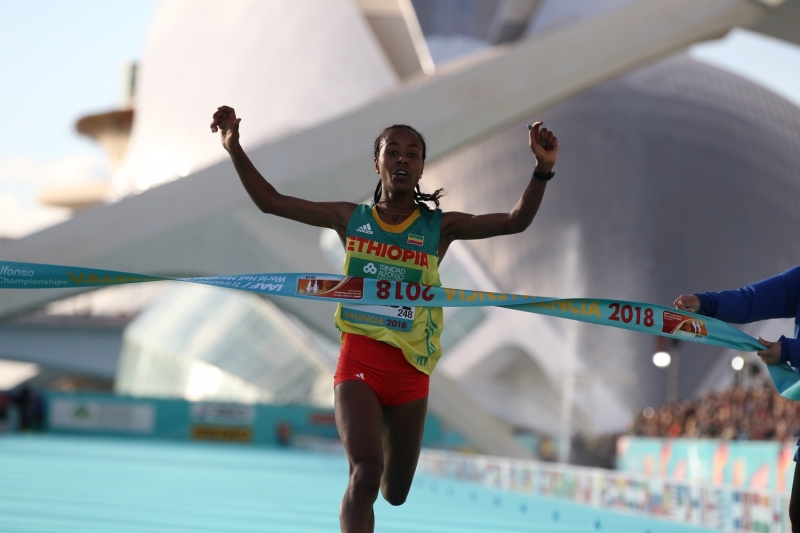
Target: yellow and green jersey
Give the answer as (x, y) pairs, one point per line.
(406, 252)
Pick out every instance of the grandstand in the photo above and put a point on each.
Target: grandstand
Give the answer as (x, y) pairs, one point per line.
(755, 413)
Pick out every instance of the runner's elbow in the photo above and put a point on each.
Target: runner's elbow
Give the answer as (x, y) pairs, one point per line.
(517, 224)
(267, 204)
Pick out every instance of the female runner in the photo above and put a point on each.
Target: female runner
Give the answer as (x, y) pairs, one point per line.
(388, 353)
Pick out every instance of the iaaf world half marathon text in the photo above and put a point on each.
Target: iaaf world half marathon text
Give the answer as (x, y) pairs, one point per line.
(20, 276)
(268, 283)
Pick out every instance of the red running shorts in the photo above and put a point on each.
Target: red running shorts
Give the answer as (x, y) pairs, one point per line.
(383, 367)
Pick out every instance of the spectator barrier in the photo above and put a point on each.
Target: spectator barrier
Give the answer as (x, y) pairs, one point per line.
(724, 508)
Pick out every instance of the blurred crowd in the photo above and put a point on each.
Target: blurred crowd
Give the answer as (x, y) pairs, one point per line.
(756, 413)
(21, 410)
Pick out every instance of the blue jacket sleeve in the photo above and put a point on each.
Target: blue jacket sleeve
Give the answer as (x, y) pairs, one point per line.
(775, 297)
(790, 351)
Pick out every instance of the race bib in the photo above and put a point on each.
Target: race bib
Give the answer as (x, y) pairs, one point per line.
(398, 318)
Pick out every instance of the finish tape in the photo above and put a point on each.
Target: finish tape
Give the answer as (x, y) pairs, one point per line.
(633, 316)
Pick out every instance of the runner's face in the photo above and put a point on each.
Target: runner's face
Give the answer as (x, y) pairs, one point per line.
(400, 161)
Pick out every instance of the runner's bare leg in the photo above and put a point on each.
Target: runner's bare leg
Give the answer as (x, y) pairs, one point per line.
(794, 500)
(359, 419)
(402, 441)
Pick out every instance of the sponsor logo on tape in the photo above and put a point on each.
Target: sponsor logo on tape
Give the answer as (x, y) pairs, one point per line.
(683, 325)
(346, 288)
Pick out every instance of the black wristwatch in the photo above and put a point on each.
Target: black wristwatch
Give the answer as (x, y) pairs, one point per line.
(543, 176)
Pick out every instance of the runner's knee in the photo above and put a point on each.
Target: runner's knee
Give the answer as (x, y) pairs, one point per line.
(366, 476)
(394, 495)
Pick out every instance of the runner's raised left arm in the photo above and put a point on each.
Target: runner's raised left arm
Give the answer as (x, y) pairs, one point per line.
(455, 225)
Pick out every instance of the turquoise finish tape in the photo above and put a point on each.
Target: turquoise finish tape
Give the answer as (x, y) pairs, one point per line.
(633, 316)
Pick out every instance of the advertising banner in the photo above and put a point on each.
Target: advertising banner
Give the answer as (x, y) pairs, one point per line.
(764, 465)
(222, 421)
(99, 415)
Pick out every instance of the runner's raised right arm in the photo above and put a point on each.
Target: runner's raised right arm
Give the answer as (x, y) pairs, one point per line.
(333, 215)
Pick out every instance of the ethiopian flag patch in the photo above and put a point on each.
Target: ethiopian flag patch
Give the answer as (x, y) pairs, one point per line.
(416, 240)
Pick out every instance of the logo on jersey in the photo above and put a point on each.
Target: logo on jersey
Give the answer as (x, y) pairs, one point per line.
(361, 375)
(416, 240)
(366, 228)
(370, 269)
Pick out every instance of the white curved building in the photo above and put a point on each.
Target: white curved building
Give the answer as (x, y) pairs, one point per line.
(284, 66)
(678, 177)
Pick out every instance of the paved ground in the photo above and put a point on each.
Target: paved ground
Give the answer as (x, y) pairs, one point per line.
(51, 484)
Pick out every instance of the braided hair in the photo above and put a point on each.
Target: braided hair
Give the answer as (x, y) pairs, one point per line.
(419, 197)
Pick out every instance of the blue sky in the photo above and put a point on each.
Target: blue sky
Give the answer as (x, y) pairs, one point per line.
(770, 62)
(60, 60)
(63, 59)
